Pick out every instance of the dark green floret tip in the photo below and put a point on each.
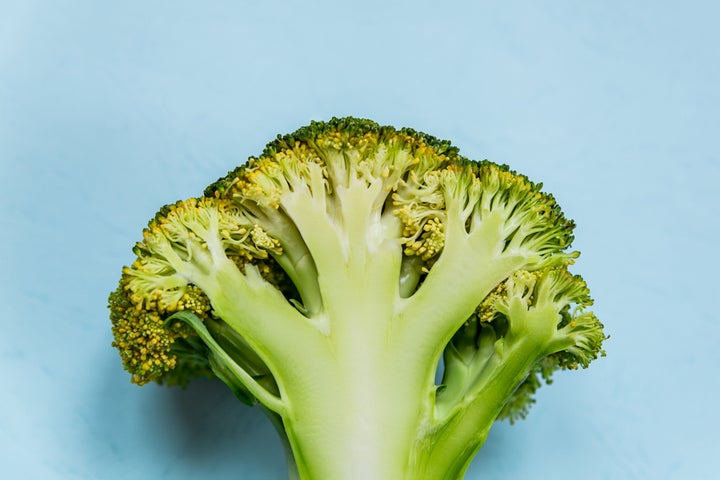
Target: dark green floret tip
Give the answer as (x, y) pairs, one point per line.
(444, 147)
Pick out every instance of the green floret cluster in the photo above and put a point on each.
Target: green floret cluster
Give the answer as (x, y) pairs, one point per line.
(328, 278)
(153, 349)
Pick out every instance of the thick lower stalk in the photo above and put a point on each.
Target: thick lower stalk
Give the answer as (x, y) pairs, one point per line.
(360, 426)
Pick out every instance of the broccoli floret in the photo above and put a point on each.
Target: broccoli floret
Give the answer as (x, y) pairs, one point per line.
(326, 279)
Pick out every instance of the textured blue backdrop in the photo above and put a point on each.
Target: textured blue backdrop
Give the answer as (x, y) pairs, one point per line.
(110, 109)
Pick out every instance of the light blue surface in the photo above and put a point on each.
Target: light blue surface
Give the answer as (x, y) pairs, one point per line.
(110, 109)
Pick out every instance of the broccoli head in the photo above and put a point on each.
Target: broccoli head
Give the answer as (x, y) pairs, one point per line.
(329, 278)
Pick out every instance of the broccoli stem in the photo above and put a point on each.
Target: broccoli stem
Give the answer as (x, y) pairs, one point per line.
(357, 415)
(468, 424)
(356, 369)
(353, 405)
(374, 441)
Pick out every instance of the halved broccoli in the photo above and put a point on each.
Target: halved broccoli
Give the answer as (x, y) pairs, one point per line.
(326, 278)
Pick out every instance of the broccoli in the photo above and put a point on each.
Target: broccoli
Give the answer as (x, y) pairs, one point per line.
(330, 278)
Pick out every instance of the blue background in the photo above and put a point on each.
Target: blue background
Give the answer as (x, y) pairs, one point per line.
(110, 109)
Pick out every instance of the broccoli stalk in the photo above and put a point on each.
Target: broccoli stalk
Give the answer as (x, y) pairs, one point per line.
(327, 278)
